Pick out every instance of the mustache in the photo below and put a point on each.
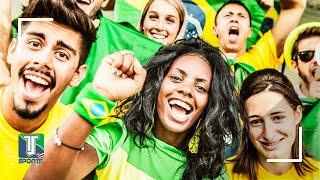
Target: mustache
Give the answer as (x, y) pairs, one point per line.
(43, 71)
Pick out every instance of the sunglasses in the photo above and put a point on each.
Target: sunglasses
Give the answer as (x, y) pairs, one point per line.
(305, 56)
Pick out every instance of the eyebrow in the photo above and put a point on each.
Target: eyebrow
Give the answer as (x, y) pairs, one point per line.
(254, 116)
(41, 35)
(185, 74)
(62, 44)
(170, 15)
(277, 112)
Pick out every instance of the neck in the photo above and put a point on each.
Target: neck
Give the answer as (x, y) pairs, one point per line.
(304, 87)
(13, 119)
(174, 139)
(277, 168)
(231, 54)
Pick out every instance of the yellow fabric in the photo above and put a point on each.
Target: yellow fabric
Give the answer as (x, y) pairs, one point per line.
(9, 166)
(265, 175)
(119, 168)
(263, 54)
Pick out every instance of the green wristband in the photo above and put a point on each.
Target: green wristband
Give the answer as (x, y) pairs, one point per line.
(93, 106)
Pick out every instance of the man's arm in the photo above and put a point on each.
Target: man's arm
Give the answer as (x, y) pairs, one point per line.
(289, 17)
(5, 30)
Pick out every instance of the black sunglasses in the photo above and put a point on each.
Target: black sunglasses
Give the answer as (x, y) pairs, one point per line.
(305, 56)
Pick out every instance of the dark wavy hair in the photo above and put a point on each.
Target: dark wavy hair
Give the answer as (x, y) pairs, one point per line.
(257, 82)
(65, 12)
(218, 121)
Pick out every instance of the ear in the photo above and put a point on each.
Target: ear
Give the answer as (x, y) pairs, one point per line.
(11, 49)
(104, 4)
(250, 32)
(215, 31)
(298, 114)
(78, 75)
(295, 66)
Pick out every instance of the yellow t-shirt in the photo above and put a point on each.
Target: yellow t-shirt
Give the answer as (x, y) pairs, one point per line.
(263, 54)
(9, 150)
(265, 175)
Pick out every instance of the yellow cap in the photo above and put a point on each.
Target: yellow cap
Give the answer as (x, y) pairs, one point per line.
(291, 39)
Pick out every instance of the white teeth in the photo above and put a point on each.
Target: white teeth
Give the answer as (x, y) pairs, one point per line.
(180, 103)
(158, 36)
(37, 80)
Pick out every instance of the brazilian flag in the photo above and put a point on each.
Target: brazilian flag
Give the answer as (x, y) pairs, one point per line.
(201, 15)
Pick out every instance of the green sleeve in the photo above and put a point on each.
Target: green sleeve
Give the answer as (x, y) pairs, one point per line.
(105, 139)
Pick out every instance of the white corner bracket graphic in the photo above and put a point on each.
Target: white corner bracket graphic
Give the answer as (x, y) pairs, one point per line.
(20, 20)
(300, 152)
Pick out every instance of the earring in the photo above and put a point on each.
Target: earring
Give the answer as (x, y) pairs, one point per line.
(194, 141)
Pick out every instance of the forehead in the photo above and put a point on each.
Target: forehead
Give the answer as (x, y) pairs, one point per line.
(53, 32)
(266, 102)
(163, 7)
(192, 65)
(234, 8)
(308, 43)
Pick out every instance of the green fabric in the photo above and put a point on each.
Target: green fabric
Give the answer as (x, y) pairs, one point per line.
(311, 126)
(241, 71)
(158, 160)
(112, 37)
(93, 106)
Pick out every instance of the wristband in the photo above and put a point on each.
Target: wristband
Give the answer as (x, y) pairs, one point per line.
(93, 106)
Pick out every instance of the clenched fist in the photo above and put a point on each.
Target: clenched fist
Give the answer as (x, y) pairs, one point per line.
(119, 76)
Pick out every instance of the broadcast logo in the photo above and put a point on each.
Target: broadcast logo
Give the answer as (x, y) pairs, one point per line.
(31, 148)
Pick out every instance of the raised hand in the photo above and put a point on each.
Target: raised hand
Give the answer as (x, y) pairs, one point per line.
(119, 76)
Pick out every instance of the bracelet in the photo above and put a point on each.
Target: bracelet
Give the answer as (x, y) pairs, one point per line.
(93, 106)
(58, 142)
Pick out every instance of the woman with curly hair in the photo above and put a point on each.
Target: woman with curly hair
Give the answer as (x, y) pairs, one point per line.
(272, 116)
(184, 108)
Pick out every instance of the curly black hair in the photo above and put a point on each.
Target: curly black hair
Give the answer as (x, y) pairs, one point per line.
(218, 121)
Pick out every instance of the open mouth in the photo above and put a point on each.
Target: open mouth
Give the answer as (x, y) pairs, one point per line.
(180, 109)
(36, 84)
(233, 32)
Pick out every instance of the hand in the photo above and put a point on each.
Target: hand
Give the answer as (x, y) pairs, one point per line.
(314, 89)
(267, 3)
(119, 76)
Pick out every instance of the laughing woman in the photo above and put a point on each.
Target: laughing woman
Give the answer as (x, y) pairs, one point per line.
(175, 128)
(273, 114)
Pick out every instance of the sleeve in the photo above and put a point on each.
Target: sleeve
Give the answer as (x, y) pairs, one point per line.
(263, 54)
(105, 139)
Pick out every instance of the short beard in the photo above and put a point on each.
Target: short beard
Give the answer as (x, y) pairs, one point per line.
(25, 113)
(304, 78)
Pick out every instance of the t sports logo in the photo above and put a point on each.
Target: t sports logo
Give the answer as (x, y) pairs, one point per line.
(31, 148)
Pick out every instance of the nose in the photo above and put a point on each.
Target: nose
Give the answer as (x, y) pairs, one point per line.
(186, 88)
(160, 25)
(269, 131)
(44, 58)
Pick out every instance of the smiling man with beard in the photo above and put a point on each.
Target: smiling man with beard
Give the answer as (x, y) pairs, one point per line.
(300, 47)
(47, 57)
(233, 27)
